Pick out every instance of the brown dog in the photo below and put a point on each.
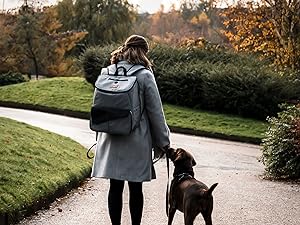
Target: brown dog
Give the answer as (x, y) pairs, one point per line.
(187, 194)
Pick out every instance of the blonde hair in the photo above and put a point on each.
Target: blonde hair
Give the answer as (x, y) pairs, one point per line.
(134, 51)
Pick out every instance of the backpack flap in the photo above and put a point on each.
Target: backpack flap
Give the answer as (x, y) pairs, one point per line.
(111, 83)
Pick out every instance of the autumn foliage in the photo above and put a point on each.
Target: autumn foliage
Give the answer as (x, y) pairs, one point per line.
(269, 29)
(32, 43)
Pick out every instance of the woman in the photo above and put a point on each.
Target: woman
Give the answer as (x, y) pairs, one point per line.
(129, 158)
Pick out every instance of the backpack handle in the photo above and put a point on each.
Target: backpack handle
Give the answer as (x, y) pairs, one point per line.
(117, 70)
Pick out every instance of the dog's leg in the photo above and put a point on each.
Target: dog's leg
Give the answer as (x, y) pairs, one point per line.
(171, 215)
(189, 213)
(189, 219)
(207, 219)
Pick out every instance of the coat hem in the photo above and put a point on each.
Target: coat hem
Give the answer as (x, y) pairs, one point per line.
(122, 178)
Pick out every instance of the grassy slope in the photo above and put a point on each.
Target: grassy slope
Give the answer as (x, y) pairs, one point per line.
(75, 94)
(65, 93)
(35, 163)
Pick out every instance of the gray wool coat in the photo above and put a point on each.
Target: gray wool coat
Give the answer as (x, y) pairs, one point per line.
(129, 157)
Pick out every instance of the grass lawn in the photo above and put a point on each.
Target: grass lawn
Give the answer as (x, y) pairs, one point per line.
(214, 122)
(75, 94)
(62, 93)
(35, 164)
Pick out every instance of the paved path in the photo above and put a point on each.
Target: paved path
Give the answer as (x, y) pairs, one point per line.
(241, 198)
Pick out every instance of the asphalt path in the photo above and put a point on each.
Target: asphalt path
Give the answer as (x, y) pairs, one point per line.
(242, 197)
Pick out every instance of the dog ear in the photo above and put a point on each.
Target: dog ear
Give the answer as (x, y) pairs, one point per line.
(192, 159)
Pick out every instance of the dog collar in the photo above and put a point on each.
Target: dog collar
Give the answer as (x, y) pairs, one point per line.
(182, 176)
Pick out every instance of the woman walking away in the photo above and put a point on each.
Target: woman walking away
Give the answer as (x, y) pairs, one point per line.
(128, 158)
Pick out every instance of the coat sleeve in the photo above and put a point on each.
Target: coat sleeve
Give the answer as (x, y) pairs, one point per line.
(159, 129)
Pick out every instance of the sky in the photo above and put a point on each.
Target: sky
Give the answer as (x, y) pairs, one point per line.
(144, 5)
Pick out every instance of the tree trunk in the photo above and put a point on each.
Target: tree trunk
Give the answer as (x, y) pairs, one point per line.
(33, 57)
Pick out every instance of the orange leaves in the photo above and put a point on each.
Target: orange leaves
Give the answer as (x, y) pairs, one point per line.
(247, 30)
(39, 48)
(65, 42)
(270, 30)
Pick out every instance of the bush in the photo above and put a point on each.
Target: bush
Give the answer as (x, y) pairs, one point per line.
(182, 84)
(247, 91)
(11, 78)
(93, 59)
(281, 146)
(211, 79)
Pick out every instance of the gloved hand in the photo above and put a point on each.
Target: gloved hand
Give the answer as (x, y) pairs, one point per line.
(166, 148)
(160, 152)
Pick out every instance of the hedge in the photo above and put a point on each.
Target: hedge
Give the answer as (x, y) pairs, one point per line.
(210, 79)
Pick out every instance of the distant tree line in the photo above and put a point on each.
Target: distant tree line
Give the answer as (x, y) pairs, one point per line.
(44, 40)
(268, 28)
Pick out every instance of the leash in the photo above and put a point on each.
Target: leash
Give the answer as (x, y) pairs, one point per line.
(168, 186)
(168, 182)
(88, 151)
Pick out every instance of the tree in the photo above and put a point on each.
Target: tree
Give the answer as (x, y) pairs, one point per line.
(203, 17)
(32, 44)
(168, 27)
(142, 24)
(202, 23)
(29, 40)
(66, 13)
(192, 8)
(6, 42)
(63, 42)
(285, 17)
(273, 30)
(106, 21)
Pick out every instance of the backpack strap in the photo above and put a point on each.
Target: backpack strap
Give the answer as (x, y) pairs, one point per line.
(135, 72)
(141, 67)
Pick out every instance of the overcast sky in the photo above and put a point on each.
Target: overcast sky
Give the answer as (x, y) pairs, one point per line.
(145, 5)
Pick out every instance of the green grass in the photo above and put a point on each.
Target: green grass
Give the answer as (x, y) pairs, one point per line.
(214, 122)
(76, 94)
(34, 164)
(62, 93)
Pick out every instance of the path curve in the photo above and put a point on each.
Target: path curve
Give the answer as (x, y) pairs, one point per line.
(241, 198)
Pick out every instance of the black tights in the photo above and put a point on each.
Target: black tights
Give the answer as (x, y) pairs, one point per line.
(115, 201)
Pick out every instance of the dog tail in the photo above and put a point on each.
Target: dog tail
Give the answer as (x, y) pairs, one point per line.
(210, 190)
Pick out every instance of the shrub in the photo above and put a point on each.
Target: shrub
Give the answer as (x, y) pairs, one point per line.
(212, 79)
(182, 84)
(281, 145)
(93, 59)
(11, 78)
(247, 91)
